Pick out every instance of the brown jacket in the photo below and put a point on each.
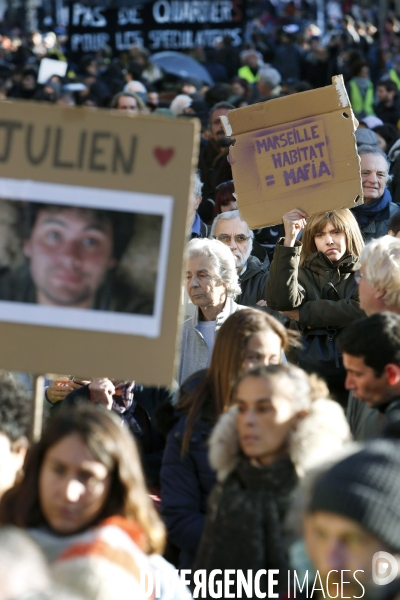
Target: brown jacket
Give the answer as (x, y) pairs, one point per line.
(289, 287)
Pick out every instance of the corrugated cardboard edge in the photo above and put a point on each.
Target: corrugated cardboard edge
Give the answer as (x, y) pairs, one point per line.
(338, 84)
(278, 111)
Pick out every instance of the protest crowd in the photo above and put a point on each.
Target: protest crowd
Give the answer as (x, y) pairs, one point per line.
(277, 450)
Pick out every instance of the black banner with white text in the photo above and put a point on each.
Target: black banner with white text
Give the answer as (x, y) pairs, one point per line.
(161, 25)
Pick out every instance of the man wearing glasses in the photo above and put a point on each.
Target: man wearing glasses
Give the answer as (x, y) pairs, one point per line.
(230, 229)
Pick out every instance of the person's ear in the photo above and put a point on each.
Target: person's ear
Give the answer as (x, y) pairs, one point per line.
(19, 448)
(392, 372)
(379, 293)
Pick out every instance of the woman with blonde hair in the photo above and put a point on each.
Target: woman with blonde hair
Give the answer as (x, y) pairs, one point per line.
(313, 282)
(248, 338)
(130, 102)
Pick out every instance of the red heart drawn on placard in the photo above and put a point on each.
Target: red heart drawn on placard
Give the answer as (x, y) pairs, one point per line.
(163, 155)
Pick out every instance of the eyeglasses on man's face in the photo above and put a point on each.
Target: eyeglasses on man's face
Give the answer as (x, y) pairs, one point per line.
(227, 239)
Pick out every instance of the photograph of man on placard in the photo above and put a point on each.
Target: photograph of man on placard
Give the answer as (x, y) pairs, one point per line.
(77, 252)
(72, 256)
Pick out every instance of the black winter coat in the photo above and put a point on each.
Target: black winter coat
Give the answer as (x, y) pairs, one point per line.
(368, 423)
(288, 287)
(187, 481)
(253, 282)
(244, 521)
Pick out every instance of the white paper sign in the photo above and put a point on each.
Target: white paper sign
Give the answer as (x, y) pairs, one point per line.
(49, 67)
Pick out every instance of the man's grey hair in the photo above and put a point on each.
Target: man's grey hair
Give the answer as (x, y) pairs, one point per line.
(222, 262)
(270, 77)
(381, 259)
(369, 149)
(227, 216)
(245, 54)
(218, 105)
(197, 184)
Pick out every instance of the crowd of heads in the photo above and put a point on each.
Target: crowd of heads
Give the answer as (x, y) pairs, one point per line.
(283, 52)
(245, 417)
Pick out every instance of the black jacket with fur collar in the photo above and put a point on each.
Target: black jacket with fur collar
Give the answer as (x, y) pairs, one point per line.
(245, 514)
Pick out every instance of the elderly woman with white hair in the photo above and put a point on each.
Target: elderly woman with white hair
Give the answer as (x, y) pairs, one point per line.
(212, 284)
(379, 276)
(186, 478)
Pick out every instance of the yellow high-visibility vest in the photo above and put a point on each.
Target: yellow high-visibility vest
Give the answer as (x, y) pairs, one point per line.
(394, 77)
(359, 104)
(246, 73)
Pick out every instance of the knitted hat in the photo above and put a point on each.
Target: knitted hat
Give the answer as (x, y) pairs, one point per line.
(365, 487)
(366, 136)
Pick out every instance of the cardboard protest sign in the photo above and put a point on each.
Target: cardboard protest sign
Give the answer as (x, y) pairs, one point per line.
(295, 152)
(93, 210)
(156, 25)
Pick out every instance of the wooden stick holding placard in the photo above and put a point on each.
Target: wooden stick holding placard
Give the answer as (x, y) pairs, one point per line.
(37, 409)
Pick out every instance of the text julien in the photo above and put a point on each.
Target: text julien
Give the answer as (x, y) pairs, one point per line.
(98, 151)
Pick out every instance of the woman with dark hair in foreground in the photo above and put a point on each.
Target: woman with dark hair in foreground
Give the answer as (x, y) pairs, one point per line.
(83, 499)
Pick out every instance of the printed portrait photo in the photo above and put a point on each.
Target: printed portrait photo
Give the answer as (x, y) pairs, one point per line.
(82, 257)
